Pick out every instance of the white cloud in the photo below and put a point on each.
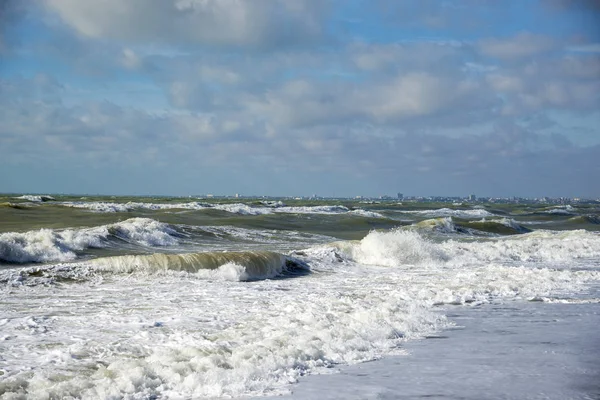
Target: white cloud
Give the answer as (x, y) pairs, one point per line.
(524, 44)
(504, 83)
(130, 59)
(159, 81)
(586, 48)
(189, 22)
(566, 83)
(409, 55)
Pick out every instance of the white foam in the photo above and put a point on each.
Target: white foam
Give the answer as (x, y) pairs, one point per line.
(238, 273)
(243, 209)
(400, 247)
(184, 339)
(538, 246)
(567, 210)
(269, 203)
(337, 209)
(447, 212)
(367, 214)
(46, 245)
(511, 223)
(235, 208)
(101, 206)
(145, 231)
(35, 198)
(394, 248)
(442, 225)
(111, 207)
(169, 336)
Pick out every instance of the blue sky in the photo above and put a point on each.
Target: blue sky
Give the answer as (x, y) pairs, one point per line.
(277, 97)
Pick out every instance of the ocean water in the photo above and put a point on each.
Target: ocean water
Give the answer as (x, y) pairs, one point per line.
(141, 298)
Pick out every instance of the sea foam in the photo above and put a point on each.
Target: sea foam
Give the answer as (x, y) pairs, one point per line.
(234, 208)
(164, 335)
(47, 245)
(448, 212)
(400, 247)
(35, 198)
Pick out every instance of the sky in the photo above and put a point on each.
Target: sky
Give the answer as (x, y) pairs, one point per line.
(302, 97)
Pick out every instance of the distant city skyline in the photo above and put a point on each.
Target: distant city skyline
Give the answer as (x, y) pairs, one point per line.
(414, 198)
(284, 98)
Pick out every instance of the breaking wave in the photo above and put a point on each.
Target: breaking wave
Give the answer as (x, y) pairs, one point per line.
(231, 265)
(235, 208)
(18, 206)
(46, 245)
(581, 219)
(401, 247)
(442, 225)
(561, 210)
(228, 266)
(448, 212)
(502, 226)
(169, 336)
(35, 198)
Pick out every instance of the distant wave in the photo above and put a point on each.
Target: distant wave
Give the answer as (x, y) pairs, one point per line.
(35, 198)
(590, 218)
(18, 206)
(448, 212)
(502, 226)
(235, 208)
(561, 210)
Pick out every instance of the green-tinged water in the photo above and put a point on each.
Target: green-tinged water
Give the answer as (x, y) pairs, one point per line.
(21, 215)
(139, 297)
(41, 229)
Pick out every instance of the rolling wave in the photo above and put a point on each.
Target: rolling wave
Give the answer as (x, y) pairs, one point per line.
(448, 212)
(401, 247)
(47, 245)
(235, 208)
(485, 227)
(582, 219)
(35, 198)
(229, 265)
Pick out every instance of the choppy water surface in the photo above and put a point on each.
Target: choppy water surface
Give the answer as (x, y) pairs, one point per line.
(178, 298)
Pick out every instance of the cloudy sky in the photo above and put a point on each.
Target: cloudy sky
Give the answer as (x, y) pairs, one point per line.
(300, 97)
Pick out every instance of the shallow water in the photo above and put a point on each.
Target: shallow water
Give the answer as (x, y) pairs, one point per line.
(514, 350)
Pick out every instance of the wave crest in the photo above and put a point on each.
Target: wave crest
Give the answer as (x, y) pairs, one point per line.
(231, 265)
(401, 247)
(448, 212)
(228, 266)
(234, 208)
(46, 245)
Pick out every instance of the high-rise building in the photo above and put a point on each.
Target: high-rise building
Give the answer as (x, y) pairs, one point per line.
(400, 196)
(472, 197)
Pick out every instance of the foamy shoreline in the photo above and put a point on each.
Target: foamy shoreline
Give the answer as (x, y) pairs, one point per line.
(514, 350)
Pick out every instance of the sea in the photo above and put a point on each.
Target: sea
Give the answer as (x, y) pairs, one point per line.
(105, 297)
